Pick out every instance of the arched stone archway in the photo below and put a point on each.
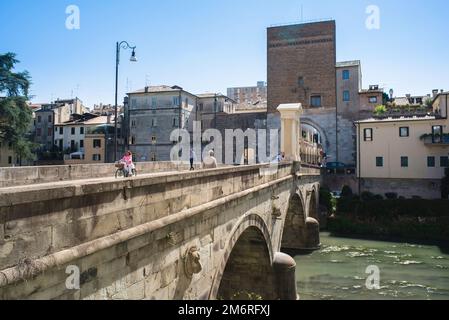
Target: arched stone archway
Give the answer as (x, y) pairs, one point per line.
(313, 205)
(248, 271)
(294, 226)
(246, 267)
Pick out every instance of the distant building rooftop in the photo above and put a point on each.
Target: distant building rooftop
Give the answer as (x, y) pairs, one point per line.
(401, 119)
(345, 64)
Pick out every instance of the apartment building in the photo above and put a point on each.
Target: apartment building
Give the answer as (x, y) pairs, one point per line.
(407, 154)
(86, 139)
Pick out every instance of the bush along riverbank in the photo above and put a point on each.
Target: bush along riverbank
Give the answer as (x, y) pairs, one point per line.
(371, 216)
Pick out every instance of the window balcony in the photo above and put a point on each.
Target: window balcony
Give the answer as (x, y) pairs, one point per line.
(436, 140)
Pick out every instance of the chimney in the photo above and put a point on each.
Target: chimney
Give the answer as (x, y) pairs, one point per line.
(147, 89)
(441, 91)
(434, 92)
(109, 119)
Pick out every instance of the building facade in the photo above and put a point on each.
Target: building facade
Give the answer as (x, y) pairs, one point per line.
(249, 95)
(406, 155)
(83, 139)
(53, 114)
(152, 114)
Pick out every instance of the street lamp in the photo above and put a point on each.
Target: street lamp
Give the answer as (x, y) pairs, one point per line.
(122, 45)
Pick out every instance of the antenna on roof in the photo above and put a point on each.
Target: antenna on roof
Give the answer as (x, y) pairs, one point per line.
(147, 80)
(302, 13)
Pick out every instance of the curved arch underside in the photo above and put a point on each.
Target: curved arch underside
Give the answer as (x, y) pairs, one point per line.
(248, 273)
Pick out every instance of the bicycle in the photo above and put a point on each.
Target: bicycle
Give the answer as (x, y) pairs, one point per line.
(122, 173)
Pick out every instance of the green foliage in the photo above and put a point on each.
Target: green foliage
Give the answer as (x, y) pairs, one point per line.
(326, 199)
(391, 196)
(385, 98)
(346, 192)
(428, 102)
(15, 115)
(380, 110)
(445, 185)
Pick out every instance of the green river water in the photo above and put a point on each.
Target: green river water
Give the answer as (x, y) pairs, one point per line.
(407, 271)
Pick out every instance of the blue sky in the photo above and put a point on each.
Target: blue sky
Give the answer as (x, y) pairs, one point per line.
(209, 45)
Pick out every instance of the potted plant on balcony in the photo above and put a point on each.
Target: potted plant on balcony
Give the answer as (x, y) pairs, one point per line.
(380, 111)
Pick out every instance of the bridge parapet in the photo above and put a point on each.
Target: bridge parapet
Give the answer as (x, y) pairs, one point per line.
(17, 176)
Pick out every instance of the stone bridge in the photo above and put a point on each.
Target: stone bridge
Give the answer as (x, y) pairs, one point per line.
(207, 234)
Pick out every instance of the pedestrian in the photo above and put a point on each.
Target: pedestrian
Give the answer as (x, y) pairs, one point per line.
(192, 159)
(210, 162)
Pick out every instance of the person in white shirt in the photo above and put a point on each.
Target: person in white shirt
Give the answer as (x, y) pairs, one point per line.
(210, 162)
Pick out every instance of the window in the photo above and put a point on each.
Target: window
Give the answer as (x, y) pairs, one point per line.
(81, 130)
(81, 143)
(96, 157)
(372, 99)
(301, 81)
(97, 143)
(133, 140)
(176, 101)
(38, 132)
(437, 134)
(49, 132)
(404, 132)
(444, 162)
(431, 162)
(56, 129)
(368, 134)
(154, 122)
(404, 162)
(153, 139)
(39, 119)
(9, 160)
(154, 102)
(346, 74)
(133, 123)
(153, 157)
(315, 101)
(61, 130)
(346, 96)
(201, 107)
(379, 161)
(72, 144)
(175, 122)
(73, 131)
(49, 118)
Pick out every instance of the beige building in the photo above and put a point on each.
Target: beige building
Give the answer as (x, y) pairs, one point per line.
(85, 137)
(405, 155)
(7, 156)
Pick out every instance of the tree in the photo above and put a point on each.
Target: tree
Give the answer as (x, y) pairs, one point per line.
(445, 185)
(15, 115)
(385, 98)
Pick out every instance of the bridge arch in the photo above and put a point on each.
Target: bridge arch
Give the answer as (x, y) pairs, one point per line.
(246, 265)
(313, 205)
(294, 225)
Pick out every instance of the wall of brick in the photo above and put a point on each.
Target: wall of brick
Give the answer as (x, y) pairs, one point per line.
(306, 52)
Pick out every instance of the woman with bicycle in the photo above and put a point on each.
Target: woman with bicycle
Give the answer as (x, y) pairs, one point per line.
(127, 161)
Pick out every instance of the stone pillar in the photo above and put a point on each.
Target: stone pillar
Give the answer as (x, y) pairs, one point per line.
(285, 271)
(312, 234)
(290, 130)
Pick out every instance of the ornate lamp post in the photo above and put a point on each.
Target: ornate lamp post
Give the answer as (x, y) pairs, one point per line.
(122, 45)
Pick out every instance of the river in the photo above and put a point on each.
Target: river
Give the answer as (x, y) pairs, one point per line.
(338, 271)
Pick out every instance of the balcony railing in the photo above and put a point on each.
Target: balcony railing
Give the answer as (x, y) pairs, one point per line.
(436, 140)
